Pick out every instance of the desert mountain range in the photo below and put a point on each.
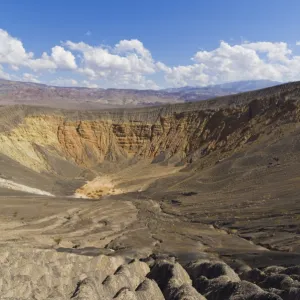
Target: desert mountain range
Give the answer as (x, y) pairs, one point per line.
(13, 92)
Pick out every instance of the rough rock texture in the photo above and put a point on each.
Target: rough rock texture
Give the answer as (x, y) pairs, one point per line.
(174, 281)
(217, 281)
(47, 274)
(212, 270)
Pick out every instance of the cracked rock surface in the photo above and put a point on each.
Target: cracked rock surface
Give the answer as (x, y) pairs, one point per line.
(48, 274)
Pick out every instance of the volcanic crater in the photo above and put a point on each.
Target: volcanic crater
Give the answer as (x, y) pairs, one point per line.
(187, 201)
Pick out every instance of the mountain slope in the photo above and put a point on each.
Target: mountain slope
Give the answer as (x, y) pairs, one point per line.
(189, 93)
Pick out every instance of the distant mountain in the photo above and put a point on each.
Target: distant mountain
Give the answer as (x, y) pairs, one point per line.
(189, 93)
(13, 92)
(245, 86)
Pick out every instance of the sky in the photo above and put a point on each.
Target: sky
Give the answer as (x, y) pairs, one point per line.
(149, 44)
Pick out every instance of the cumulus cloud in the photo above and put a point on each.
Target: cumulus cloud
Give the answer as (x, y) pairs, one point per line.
(128, 46)
(62, 58)
(61, 81)
(89, 72)
(129, 64)
(30, 78)
(13, 53)
(275, 51)
(70, 82)
(162, 67)
(246, 61)
(89, 84)
(3, 75)
(126, 64)
(59, 59)
(12, 50)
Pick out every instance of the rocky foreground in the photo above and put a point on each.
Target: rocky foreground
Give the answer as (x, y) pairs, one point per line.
(48, 274)
(115, 249)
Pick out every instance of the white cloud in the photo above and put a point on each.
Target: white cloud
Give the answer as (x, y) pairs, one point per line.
(30, 78)
(59, 59)
(188, 75)
(135, 81)
(260, 60)
(81, 46)
(125, 65)
(274, 51)
(43, 63)
(62, 58)
(15, 68)
(129, 64)
(12, 50)
(13, 53)
(88, 72)
(88, 33)
(3, 75)
(60, 81)
(162, 67)
(128, 46)
(125, 57)
(89, 84)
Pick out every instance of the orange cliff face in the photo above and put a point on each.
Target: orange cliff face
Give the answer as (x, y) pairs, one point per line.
(92, 142)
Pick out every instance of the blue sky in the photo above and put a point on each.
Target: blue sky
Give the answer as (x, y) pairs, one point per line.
(149, 44)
